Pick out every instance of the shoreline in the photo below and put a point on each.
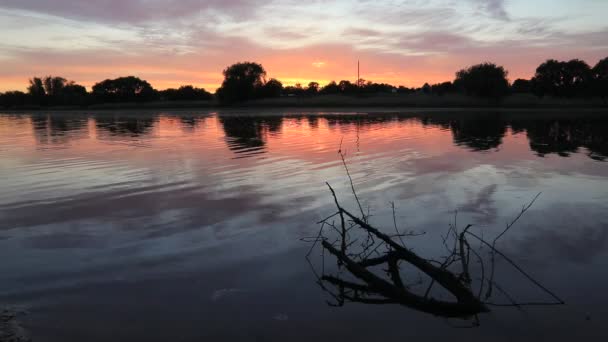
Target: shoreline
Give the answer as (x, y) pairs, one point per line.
(331, 102)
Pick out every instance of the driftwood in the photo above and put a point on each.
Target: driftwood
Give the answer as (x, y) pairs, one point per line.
(369, 251)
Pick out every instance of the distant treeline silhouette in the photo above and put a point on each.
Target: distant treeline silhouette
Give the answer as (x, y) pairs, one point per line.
(247, 81)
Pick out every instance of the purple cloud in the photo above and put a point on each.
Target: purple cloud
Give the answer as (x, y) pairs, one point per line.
(133, 11)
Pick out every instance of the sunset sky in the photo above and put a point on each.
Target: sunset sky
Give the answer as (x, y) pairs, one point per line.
(176, 42)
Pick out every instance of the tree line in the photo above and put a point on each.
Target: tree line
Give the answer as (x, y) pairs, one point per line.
(247, 81)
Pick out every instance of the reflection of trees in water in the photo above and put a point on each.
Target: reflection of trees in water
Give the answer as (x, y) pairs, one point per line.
(546, 136)
(188, 123)
(131, 126)
(480, 133)
(313, 121)
(564, 137)
(247, 133)
(58, 129)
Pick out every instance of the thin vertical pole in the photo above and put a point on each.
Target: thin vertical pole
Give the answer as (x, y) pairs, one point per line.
(358, 74)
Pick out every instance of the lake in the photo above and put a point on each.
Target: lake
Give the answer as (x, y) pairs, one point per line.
(192, 225)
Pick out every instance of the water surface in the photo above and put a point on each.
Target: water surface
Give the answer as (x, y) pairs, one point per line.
(186, 226)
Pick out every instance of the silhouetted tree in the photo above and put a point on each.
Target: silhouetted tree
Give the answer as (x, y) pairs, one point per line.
(313, 88)
(186, 93)
(13, 99)
(331, 88)
(53, 86)
(347, 87)
(241, 81)
(52, 90)
(484, 80)
(124, 89)
(600, 75)
(36, 89)
(443, 88)
(404, 90)
(272, 88)
(295, 90)
(374, 88)
(426, 88)
(563, 78)
(521, 86)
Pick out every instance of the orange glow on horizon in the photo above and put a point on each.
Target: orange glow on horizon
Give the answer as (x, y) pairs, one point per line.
(290, 71)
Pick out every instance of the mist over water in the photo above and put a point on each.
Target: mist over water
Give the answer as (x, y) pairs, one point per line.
(155, 226)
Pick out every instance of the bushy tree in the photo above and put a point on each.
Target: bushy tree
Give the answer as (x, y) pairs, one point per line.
(36, 88)
(241, 82)
(52, 90)
(14, 99)
(600, 76)
(124, 89)
(442, 88)
(186, 93)
(483, 80)
(313, 88)
(295, 90)
(521, 86)
(563, 79)
(53, 86)
(347, 87)
(272, 88)
(330, 88)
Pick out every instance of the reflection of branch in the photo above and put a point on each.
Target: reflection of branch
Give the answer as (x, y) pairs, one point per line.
(493, 246)
(494, 250)
(352, 185)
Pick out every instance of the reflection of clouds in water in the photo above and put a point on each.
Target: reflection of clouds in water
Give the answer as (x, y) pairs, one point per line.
(482, 204)
(223, 293)
(570, 233)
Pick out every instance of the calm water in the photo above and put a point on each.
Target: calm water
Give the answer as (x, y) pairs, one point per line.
(186, 226)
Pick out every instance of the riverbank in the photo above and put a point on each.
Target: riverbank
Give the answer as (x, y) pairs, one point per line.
(417, 100)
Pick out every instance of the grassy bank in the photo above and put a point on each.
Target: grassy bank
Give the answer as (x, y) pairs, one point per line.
(416, 100)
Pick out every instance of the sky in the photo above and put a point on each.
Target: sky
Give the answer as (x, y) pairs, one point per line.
(401, 42)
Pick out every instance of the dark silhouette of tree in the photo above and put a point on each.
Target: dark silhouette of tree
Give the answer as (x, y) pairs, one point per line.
(548, 79)
(521, 86)
(443, 88)
(14, 99)
(483, 80)
(313, 88)
(186, 93)
(563, 79)
(124, 89)
(405, 90)
(600, 75)
(375, 88)
(53, 86)
(36, 89)
(295, 90)
(578, 77)
(330, 88)
(272, 88)
(241, 81)
(426, 88)
(52, 90)
(347, 87)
